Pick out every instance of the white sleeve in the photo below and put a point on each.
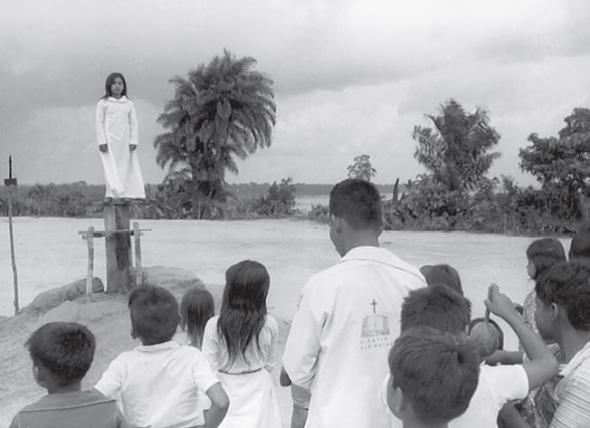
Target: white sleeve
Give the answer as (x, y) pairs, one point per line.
(202, 374)
(133, 128)
(509, 382)
(303, 343)
(573, 410)
(112, 379)
(210, 346)
(271, 358)
(100, 124)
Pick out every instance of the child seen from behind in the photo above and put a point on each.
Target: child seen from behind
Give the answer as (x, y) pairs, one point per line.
(160, 383)
(242, 344)
(433, 376)
(62, 353)
(196, 308)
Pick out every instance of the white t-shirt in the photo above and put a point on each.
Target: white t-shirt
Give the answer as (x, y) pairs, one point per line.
(348, 319)
(159, 385)
(496, 386)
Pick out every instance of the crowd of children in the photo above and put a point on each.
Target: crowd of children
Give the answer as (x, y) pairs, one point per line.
(198, 369)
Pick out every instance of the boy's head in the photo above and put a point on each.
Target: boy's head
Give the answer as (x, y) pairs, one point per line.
(62, 353)
(433, 376)
(442, 274)
(580, 245)
(154, 314)
(542, 254)
(436, 307)
(563, 299)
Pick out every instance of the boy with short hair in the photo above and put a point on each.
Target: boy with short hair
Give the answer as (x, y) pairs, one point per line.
(158, 383)
(62, 353)
(563, 315)
(496, 385)
(433, 377)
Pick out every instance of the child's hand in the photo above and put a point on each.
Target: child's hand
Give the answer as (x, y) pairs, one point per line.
(132, 147)
(103, 148)
(498, 303)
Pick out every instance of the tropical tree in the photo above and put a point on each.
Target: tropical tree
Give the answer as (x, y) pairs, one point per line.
(361, 168)
(455, 150)
(221, 112)
(562, 164)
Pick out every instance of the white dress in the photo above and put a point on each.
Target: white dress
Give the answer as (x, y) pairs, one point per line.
(253, 401)
(116, 126)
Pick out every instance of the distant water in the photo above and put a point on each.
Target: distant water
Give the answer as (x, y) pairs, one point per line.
(50, 253)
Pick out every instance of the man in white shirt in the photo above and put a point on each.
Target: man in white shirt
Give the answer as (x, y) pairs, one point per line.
(348, 316)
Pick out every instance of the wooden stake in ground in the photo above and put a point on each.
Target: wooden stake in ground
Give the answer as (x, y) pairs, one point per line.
(10, 182)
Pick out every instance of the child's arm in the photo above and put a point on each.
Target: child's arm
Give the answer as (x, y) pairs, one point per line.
(271, 358)
(542, 365)
(504, 357)
(219, 406)
(511, 418)
(111, 380)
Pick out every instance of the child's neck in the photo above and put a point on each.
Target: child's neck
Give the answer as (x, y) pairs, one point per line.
(571, 341)
(417, 424)
(61, 389)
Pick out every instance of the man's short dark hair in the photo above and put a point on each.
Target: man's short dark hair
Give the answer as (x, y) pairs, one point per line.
(358, 202)
(567, 284)
(436, 372)
(442, 274)
(437, 307)
(65, 349)
(154, 314)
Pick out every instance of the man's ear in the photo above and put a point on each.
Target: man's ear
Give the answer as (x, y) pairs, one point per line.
(337, 223)
(133, 333)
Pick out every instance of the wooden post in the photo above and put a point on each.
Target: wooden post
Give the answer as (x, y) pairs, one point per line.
(137, 239)
(9, 183)
(118, 245)
(90, 271)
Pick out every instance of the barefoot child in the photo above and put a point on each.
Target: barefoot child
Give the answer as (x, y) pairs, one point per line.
(62, 353)
(159, 383)
(433, 376)
(242, 344)
(196, 308)
(116, 132)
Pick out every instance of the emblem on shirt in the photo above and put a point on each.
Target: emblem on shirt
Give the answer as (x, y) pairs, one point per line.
(375, 331)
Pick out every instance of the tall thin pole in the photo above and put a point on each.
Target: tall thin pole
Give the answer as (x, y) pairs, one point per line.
(10, 182)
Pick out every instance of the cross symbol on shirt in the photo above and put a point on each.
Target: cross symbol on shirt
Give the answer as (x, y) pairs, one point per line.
(373, 304)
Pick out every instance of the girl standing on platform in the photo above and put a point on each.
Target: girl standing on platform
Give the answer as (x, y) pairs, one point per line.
(116, 132)
(242, 344)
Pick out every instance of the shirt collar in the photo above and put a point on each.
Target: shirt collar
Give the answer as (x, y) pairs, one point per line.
(380, 255)
(164, 346)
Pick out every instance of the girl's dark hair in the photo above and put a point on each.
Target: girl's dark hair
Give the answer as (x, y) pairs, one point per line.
(110, 79)
(243, 308)
(544, 253)
(196, 308)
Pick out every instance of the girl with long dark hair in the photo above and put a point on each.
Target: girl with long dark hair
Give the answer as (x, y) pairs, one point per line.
(242, 344)
(116, 134)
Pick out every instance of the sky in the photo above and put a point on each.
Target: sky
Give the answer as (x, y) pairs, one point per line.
(350, 77)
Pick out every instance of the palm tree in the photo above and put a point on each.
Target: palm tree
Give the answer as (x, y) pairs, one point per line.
(222, 111)
(455, 151)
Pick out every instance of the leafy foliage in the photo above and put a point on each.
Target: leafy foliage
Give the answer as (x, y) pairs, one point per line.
(455, 151)
(562, 164)
(280, 200)
(361, 168)
(220, 112)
